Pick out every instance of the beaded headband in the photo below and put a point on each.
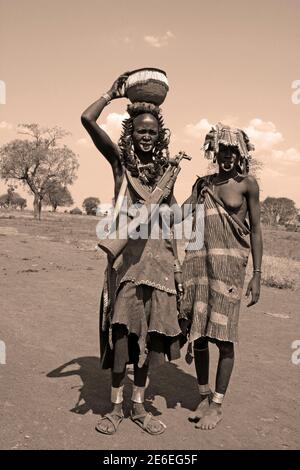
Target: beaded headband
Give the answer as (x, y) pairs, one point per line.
(229, 136)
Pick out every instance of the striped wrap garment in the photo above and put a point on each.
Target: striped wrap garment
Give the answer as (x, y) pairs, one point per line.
(214, 275)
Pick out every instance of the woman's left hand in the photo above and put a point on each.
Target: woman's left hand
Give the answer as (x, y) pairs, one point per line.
(254, 289)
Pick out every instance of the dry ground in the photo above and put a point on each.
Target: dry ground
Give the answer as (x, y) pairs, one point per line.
(52, 390)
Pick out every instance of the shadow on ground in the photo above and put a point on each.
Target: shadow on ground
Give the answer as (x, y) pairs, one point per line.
(168, 381)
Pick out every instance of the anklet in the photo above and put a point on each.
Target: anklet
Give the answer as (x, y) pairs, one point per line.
(204, 389)
(138, 394)
(116, 396)
(218, 398)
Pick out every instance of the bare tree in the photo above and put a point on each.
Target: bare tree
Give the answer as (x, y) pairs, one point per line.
(38, 160)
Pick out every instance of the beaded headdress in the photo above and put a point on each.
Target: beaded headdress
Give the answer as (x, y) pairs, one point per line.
(228, 136)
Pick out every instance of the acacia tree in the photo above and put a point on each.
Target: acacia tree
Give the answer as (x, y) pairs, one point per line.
(90, 205)
(38, 160)
(278, 210)
(21, 203)
(12, 199)
(4, 201)
(58, 195)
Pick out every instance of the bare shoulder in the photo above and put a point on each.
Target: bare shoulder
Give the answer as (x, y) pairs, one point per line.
(251, 187)
(250, 183)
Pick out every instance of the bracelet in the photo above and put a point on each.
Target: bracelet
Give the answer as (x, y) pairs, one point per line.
(257, 270)
(106, 97)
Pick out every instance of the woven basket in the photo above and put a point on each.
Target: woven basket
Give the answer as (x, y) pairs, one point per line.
(148, 84)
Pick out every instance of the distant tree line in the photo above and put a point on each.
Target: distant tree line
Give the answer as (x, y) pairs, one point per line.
(46, 168)
(90, 205)
(56, 196)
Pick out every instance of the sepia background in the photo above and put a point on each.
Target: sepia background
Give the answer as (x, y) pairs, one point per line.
(231, 61)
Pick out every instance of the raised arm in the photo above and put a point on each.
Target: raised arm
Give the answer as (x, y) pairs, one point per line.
(255, 239)
(100, 138)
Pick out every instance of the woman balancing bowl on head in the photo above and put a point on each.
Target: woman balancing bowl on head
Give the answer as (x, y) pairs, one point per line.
(139, 323)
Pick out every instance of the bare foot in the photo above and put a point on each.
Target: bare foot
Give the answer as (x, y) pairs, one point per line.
(211, 417)
(203, 406)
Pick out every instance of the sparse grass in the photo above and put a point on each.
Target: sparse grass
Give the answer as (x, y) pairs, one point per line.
(76, 230)
(281, 261)
(281, 243)
(279, 272)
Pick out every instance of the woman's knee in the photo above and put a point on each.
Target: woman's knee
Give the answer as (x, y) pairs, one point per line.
(226, 348)
(201, 343)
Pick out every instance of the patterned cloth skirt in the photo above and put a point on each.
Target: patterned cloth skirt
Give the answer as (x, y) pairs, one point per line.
(145, 328)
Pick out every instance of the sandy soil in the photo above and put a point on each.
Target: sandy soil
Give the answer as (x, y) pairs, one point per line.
(52, 390)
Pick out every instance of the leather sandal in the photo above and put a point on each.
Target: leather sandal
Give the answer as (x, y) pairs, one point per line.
(144, 420)
(114, 418)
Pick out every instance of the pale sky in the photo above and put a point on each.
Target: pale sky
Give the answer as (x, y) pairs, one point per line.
(231, 61)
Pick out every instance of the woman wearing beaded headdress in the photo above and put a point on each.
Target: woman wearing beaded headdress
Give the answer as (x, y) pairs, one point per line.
(213, 274)
(141, 325)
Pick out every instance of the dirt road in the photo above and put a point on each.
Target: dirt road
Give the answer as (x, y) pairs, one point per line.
(52, 390)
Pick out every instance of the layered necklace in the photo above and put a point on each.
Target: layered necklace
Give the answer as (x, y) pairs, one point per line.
(149, 173)
(223, 181)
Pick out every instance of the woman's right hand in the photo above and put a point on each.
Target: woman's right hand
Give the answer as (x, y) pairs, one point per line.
(117, 89)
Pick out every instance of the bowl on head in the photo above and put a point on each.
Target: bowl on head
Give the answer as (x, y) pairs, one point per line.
(148, 85)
